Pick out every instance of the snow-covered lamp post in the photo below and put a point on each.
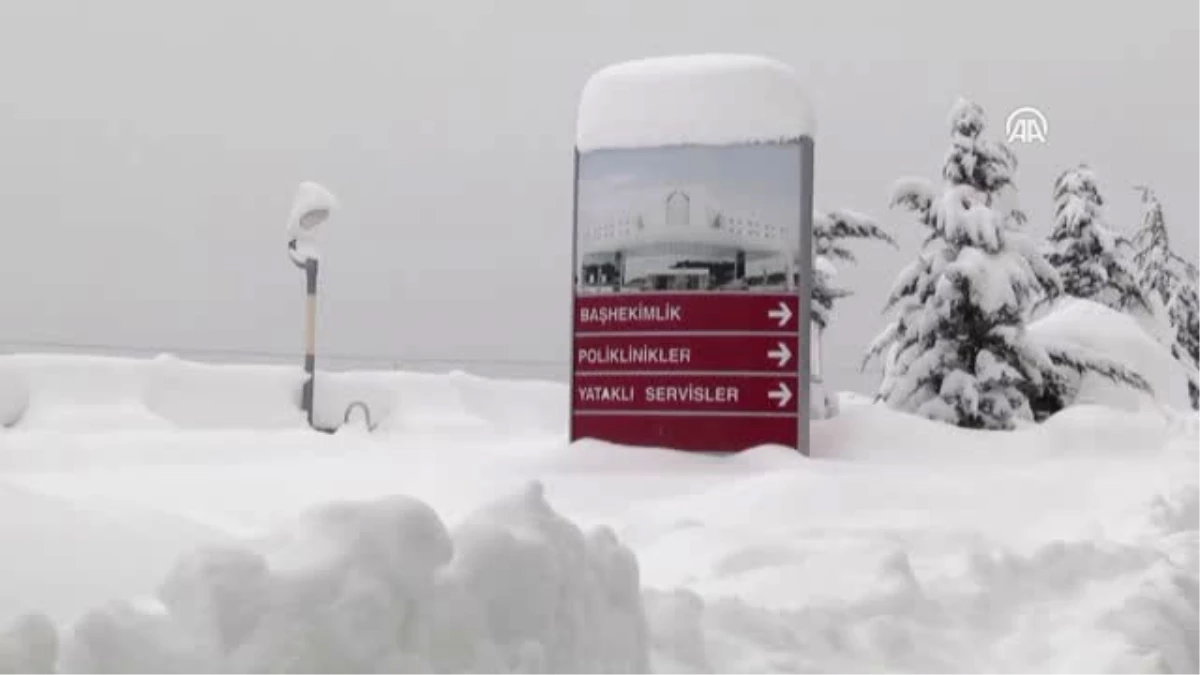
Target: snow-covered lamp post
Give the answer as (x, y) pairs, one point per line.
(311, 207)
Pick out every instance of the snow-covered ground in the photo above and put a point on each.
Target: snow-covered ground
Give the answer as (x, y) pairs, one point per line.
(173, 516)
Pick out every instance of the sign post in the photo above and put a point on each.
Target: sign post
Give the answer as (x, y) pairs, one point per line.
(692, 256)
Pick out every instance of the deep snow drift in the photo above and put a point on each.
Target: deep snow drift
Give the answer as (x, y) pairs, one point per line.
(1091, 329)
(383, 586)
(82, 393)
(170, 542)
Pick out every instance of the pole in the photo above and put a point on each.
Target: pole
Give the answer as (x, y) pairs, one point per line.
(310, 338)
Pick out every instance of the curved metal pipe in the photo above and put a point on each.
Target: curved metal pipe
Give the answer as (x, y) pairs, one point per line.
(294, 255)
(366, 413)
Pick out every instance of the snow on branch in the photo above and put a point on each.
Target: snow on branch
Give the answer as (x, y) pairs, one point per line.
(847, 224)
(913, 193)
(1081, 362)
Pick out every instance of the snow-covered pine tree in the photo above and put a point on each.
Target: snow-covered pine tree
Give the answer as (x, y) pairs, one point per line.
(831, 232)
(973, 159)
(1171, 280)
(978, 161)
(1160, 270)
(915, 195)
(824, 293)
(958, 351)
(1093, 261)
(985, 165)
(1185, 318)
(1152, 245)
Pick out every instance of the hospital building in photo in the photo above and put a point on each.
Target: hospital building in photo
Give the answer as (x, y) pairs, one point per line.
(679, 239)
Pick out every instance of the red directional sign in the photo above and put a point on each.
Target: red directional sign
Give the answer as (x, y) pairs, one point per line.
(684, 352)
(725, 311)
(692, 371)
(686, 392)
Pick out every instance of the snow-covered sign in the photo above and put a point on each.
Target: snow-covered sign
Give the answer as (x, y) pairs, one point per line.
(693, 255)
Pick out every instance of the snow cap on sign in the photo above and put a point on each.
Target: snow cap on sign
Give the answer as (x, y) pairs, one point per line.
(702, 99)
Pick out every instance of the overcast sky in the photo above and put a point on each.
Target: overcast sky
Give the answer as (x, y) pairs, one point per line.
(149, 151)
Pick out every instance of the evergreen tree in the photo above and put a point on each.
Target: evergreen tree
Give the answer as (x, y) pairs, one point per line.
(973, 159)
(1161, 272)
(958, 351)
(1185, 318)
(831, 232)
(1092, 260)
(1153, 256)
(1171, 280)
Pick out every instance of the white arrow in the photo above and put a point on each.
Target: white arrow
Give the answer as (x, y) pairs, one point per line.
(783, 354)
(782, 394)
(784, 314)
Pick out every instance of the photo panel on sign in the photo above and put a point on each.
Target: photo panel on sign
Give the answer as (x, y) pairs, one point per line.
(689, 219)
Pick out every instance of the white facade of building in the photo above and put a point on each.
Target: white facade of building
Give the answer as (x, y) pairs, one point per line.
(684, 220)
(662, 241)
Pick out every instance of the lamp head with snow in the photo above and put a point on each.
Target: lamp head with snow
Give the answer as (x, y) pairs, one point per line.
(311, 208)
(311, 220)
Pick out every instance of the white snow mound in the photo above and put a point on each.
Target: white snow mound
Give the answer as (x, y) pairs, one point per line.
(383, 586)
(1089, 328)
(703, 99)
(14, 395)
(44, 392)
(29, 645)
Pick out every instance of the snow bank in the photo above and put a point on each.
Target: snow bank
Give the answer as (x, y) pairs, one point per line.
(383, 586)
(699, 99)
(873, 432)
(201, 395)
(904, 545)
(1096, 330)
(14, 396)
(901, 545)
(82, 393)
(58, 554)
(1067, 607)
(29, 645)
